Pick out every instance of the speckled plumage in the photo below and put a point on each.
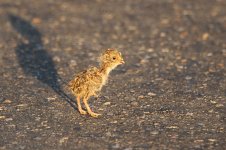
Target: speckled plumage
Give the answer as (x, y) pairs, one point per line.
(90, 81)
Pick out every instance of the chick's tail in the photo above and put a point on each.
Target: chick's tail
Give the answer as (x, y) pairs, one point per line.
(65, 85)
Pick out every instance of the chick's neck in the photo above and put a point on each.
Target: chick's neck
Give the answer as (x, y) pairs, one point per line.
(106, 68)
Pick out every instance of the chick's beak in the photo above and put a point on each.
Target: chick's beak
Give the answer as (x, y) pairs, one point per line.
(122, 62)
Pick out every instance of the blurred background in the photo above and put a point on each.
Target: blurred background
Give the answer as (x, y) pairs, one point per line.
(170, 94)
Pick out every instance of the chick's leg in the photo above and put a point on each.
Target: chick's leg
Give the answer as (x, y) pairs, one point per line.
(80, 107)
(88, 108)
(96, 95)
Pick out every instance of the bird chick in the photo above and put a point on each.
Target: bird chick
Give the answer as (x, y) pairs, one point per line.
(90, 81)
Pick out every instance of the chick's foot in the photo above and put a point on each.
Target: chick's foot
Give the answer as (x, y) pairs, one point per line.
(83, 112)
(95, 115)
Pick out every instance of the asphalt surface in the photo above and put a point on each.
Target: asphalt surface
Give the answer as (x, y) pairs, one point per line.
(170, 94)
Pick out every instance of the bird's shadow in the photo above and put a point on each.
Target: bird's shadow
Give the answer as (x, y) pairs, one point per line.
(34, 58)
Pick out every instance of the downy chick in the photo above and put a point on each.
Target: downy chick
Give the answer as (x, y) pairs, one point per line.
(90, 81)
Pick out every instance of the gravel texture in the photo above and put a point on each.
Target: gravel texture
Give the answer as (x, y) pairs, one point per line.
(170, 94)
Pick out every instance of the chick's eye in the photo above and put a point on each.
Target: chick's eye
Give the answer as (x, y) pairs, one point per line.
(114, 58)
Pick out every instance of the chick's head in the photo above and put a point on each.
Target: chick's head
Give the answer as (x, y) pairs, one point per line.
(111, 57)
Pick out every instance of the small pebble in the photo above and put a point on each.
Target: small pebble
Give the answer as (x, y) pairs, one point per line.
(116, 146)
(56, 59)
(73, 63)
(46, 40)
(189, 114)
(11, 126)
(213, 102)
(51, 98)
(198, 141)
(172, 127)
(154, 132)
(132, 91)
(188, 78)
(36, 20)
(165, 50)
(156, 124)
(108, 133)
(62, 18)
(37, 138)
(37, 119)
(212, 140)
(141, 97)
(205, 36)
(134, 103)
(132, 28)
(7, 101)
(144, 61)
(219, 105)
(210, 54)
(150, 50)
(133, 99)
(124, 112)
(21, 105)
(151, 94)
(2, 117)
(63, 140)
(224, 52)
(110, 114)
(8, 119)
(174, 136)
(106, 97)
(129, 148)
(201, 124)
(162, 34)
(3, 147)
(210, 111)
(107, 103)
(68, 49)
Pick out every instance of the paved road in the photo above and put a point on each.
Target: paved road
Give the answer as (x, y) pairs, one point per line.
(170, 94)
